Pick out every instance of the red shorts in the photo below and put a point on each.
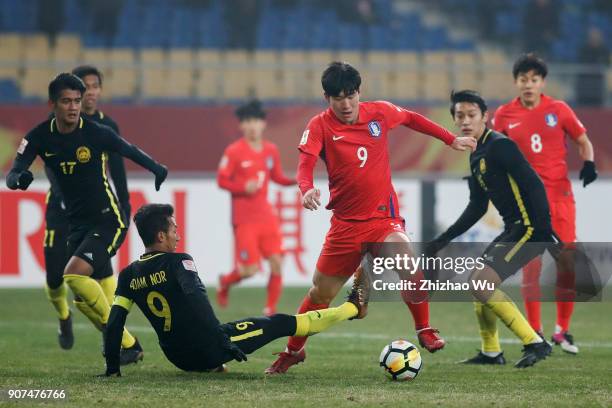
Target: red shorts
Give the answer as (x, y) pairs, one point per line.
(256, 240)
(563, 217)
(342, 250)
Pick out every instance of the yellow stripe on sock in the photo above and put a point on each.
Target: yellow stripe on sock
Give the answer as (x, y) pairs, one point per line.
(512, 317)
(248, 335)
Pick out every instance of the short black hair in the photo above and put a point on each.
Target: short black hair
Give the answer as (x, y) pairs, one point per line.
(467, 95)
(250, 110)
(64, 81)
(83, 70)
(529, 62)
(340, 77)
(151, 219)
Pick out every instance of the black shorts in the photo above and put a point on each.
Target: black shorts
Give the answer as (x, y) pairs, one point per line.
(96, 244)
(55, 245)
(515, 247)
(249, 334)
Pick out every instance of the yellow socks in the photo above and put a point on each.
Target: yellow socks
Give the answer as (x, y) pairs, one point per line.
(89, 313)
(57, 297)
(109, 286)
(487, 321)
(506, 310)
(90, 292)
(316, 321)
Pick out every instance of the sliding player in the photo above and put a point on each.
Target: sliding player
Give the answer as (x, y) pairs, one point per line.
(166, 287)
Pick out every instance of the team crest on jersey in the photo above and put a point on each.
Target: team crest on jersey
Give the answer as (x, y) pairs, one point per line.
(269, 162)
(374, 128)
(551, 120)
(244, 255)
(83, 154)
(483, 166)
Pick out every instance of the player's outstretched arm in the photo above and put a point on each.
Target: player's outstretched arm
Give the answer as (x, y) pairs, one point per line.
(476, 208)
(311, 196)
(112, 340)
(277, 174)
(117, 172)
(111, 141)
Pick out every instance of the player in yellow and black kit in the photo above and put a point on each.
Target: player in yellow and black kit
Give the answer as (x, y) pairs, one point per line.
(75, 150)
(56, 232)
(166, 287)
(500, 173)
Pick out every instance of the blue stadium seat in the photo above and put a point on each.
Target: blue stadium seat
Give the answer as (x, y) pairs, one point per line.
(9, 91)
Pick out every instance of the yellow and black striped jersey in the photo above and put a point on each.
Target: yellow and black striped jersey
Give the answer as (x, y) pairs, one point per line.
(168, 291)
(500, 173)
(78, 161)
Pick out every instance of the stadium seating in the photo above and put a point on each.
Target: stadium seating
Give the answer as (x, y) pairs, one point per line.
(180, 52)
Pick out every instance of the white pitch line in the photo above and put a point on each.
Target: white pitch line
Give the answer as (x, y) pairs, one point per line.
(343, 334)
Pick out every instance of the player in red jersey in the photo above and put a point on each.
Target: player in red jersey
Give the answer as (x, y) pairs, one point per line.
(245, 170)
(351, 138)
(538, 124)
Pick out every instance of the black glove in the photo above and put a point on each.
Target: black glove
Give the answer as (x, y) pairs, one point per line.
(126, 208)
(160, 175)
(588, 174)
(233, 349)
(25, 179)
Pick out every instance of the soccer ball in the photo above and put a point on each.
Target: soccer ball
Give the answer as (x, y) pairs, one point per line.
(401, 360)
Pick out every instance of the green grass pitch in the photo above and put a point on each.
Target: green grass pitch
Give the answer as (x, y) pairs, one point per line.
(341, 368)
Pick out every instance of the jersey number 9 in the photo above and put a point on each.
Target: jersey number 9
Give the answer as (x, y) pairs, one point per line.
(164, 312)
(362, 154)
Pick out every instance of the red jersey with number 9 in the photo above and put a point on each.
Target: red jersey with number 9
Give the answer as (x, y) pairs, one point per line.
(540, 135)
(357, 159)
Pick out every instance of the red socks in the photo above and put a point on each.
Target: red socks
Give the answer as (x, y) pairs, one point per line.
(275, 288)
(417, 302)
(297, 343)
(231, 278)
(565, 293)
(531, 293)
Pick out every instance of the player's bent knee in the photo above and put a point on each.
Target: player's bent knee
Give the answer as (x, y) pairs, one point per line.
(325, 288)
(248, 270)
(275, 264)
